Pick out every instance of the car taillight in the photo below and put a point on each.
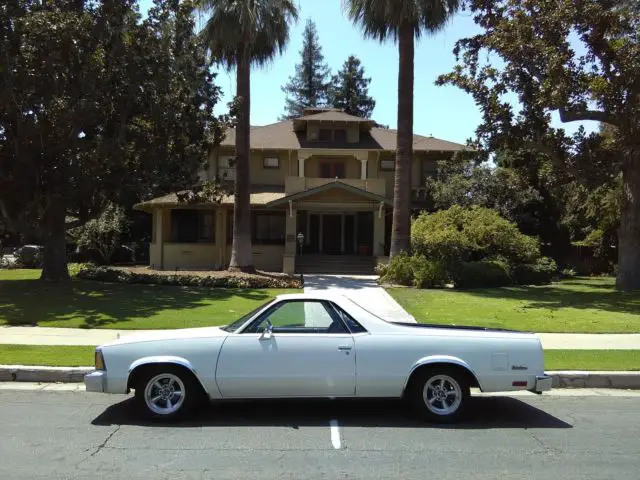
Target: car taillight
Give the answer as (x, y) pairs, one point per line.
(99, 361)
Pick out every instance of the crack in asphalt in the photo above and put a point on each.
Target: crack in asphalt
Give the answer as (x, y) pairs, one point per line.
(104, 444)
(547, 448)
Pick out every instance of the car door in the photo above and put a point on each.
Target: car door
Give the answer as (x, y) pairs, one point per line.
(308, 353)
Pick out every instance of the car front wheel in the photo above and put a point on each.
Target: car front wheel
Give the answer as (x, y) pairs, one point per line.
(440, 394)
(167, 393)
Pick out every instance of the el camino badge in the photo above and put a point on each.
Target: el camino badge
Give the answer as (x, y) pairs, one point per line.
(519, 367)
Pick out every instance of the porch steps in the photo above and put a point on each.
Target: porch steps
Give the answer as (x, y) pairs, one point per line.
(335, 264)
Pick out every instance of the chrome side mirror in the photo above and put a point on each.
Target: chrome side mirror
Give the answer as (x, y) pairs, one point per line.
(267, 333)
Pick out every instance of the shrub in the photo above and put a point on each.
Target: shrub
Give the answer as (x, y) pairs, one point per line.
(381, 269)
(29, 256)
(483, 274)
(102, 235)
(471, 234)
(399, 270)
(428, 273)
(539, 273)
(116, 275)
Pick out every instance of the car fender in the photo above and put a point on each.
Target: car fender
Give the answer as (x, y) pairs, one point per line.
(432, 359)
(156, 359)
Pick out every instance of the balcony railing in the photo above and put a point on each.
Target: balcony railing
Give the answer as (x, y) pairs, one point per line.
(296, 184)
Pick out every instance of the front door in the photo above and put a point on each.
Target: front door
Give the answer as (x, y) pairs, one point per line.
(308, 354)
(332, 234)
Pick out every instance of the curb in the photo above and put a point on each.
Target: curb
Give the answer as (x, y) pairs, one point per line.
(580, 379)
(22, 373)
(561, 379)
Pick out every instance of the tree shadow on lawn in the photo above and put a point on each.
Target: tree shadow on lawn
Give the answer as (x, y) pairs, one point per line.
(98, 304)
(484, 413)
(586, 295)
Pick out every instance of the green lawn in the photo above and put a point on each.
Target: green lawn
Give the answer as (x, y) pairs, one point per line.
(592, 359)
(586, 305)
(73, 356)
(46, 355)
(24, 300)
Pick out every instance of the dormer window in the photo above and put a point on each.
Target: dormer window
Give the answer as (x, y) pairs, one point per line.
(325, 135)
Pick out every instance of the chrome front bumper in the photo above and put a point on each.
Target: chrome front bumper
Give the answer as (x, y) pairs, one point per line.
(543, 383)
(95, 381)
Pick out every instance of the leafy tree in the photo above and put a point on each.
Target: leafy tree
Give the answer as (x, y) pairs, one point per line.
(102, 234)
(309, 86)
(402, 22)
(241, 33)
(579, 58)
(97, 106)
(349, 90)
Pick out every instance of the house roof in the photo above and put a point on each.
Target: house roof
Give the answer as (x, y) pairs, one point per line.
(282, 136)
(329, 186)
(260, 195)
(333, 115)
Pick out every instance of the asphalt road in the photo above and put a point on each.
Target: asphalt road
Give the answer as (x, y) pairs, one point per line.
(48, 434)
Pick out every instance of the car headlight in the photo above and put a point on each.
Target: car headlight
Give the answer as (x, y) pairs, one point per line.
(100, 361)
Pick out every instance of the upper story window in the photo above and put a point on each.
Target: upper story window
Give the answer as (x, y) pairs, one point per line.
(332, 170)
(340, 135)
(325, 135)
(192, 226)
(271, 162)
(387, 165)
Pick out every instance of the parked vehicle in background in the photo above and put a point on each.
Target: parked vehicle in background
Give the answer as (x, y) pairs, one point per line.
(314, 345)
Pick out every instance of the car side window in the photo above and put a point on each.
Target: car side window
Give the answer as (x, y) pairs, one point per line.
(352, 324)
(300, 317)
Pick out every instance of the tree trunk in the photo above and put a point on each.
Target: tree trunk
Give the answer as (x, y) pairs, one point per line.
(404, 149)
(241, 255)
(629, 232)
(54, 264)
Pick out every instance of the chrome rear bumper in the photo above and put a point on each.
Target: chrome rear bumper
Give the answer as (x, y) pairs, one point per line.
(95, 381)
(543, 383)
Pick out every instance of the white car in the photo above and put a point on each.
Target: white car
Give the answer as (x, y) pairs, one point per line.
(322, 346)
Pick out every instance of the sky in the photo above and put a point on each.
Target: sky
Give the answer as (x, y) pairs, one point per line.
(444, 112)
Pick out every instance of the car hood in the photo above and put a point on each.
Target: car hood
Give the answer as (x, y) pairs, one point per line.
(180, 334)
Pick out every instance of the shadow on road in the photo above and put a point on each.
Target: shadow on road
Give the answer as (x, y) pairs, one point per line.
(484, 413)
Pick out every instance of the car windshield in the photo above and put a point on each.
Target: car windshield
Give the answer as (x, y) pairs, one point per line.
(232, 327)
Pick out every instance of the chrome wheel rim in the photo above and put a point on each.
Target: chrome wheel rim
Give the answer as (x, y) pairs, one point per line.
(164, 394)
(442, 394)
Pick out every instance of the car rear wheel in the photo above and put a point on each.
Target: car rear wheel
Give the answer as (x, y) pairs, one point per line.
(167, 393)
(440, 394)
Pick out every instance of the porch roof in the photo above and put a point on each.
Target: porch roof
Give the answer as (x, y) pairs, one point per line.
(328, 186)
(260, 195)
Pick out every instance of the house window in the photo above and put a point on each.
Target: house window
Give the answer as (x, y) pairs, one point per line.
(269, 228)
(387, 165)
(340, 135)
(332, 170)
(192, 226)
(325, 135)
(271, 162)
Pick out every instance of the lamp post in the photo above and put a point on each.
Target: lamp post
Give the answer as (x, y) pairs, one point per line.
(300, 238)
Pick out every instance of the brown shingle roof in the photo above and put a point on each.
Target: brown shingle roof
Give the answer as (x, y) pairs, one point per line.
(281, 136)
(333, 116)
(260, 195)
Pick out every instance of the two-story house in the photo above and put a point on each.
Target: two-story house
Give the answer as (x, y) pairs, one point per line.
(321, 194)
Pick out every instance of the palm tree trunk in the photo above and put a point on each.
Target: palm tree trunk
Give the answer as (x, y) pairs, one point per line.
(404, 148)
(628, 277)
(241, 255)
(54, 264)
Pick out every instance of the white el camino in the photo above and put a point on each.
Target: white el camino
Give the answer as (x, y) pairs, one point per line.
(324, 346)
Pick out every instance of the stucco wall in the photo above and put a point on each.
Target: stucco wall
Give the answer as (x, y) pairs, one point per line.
(268, 257)
(197, 256)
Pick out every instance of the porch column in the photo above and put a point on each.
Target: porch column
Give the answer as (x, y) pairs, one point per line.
(291, 233)
(301, 158)
(378, 231)
(157, 257)
(363, 157)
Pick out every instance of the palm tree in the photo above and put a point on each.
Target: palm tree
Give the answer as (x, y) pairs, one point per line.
(402, 21)
(242, 33)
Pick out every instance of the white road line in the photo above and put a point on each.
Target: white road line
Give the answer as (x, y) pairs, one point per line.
(335, 434)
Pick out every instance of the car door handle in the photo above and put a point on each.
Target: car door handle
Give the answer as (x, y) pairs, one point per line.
(344, 347)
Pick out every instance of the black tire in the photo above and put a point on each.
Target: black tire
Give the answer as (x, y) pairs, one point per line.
(179, 392)
(447, 384)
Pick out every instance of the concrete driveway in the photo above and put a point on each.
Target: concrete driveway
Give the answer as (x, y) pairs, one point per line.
(362, 289)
